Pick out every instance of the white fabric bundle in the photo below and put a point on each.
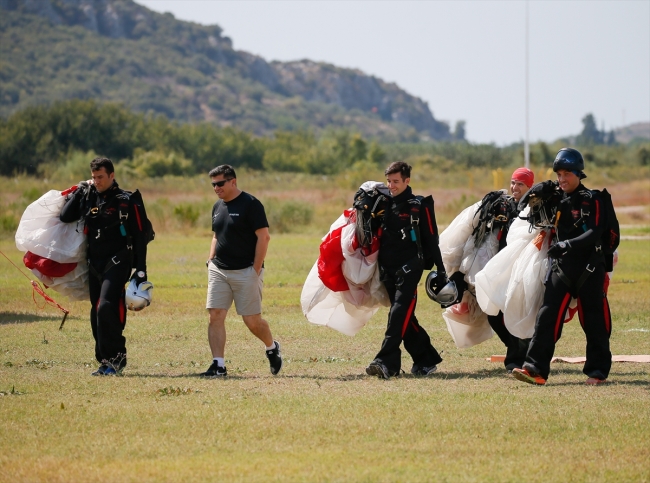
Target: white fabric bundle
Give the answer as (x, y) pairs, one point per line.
(513, 281)
(346, 311)
(42, 233)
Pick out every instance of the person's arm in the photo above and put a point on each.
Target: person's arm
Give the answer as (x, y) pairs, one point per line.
(429, 236)
(263, 239)
(595, 225)
(139, 242)
(71, 210)
(213, 248)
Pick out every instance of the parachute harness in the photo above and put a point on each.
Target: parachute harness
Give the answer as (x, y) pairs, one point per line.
(493, 213)
(37, 288)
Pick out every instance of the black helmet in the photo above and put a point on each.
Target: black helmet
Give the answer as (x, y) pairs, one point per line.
(569, 159)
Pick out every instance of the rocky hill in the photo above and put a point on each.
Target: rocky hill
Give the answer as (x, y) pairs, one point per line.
(117, 50)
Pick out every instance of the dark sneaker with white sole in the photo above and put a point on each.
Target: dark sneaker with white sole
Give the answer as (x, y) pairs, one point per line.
(376, 368)
(423, 371)
(275, 358)
(215, 370)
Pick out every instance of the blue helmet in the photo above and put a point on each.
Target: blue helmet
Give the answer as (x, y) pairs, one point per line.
(570, 159)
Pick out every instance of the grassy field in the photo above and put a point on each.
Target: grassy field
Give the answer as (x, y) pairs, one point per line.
(322, 419)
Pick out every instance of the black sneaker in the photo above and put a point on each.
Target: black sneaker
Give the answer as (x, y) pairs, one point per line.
(215, 370)
(376, 368)
(275, 358)
(101, 370)
(423, 371)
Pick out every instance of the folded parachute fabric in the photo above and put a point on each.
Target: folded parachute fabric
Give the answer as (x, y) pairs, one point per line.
(342, 290)
(55, 252)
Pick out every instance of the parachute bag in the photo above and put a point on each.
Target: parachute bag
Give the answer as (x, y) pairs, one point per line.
(612, 234)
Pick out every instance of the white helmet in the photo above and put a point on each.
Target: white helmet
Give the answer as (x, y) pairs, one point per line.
(138, 296)
(440, 289)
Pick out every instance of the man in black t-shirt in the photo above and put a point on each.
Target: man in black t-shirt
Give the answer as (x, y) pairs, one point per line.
(236, 268)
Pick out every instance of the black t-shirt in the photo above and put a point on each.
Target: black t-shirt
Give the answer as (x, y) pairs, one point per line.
(234, 223)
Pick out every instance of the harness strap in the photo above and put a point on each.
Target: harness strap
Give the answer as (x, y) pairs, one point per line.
(589, 269)
(115, 260)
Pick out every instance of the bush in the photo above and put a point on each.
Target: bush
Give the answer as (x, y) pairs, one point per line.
(155, 164)
(73, 167)
(186, 213)
(8, 223)
(288, 216)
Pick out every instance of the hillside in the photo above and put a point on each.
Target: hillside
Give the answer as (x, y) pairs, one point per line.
(639, 131)
(117, 50)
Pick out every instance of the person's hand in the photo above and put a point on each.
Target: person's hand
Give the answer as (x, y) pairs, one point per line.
(559, 249)
(139, 276)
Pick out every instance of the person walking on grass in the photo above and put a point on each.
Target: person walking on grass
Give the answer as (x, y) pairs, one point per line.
(236, 268)
(116, 244)
(577, 269)
(408, 245)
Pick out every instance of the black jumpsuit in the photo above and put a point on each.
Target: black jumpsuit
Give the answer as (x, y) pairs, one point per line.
(396, 250)
(112, 250)
(582, 223)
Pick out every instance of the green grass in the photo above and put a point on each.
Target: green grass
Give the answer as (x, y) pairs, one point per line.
(321, 419)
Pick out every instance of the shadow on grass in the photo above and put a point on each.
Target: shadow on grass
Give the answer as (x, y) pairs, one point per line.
(484, 374)
(7, 318)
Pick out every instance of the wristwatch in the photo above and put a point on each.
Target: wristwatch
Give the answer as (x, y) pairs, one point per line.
(207, 264)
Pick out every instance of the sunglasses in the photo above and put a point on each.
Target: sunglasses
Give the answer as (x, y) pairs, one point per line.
(221, 183)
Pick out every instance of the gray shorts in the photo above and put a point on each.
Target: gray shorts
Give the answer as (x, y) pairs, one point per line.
(243, 286)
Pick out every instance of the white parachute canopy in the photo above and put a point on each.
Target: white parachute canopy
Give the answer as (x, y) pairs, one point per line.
(346, 311)
(56, 246)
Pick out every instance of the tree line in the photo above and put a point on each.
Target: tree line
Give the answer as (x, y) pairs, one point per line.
(153, 145)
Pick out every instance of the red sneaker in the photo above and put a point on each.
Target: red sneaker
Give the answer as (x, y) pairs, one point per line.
(594, 381)
(529, 377)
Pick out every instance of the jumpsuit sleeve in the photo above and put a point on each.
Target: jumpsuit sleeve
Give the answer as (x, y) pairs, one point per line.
(430, 238)
(137, 232)
(595, 225)
(71, 210)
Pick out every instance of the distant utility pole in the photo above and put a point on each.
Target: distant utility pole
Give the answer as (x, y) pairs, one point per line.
(526, 144)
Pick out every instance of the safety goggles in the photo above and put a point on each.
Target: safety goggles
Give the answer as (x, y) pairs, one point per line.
(221, 183)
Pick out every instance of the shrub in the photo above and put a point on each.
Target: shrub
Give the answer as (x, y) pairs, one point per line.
(8, 223)
(288, 216)
(186, 213)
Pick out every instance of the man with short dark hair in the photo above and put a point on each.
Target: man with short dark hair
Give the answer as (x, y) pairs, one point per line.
(116, 244)
(577, 269)
(236, 268)
(408, 245)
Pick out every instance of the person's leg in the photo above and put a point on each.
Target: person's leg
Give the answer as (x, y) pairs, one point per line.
(217, 331)
(259, 328)
(595, 318)
(548, 326)
(247, 287)
(416, 340)
(95, 288)
(219, 300)
(111, 316)
(514, 356)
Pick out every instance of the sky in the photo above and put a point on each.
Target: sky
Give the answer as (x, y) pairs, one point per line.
(466, 59)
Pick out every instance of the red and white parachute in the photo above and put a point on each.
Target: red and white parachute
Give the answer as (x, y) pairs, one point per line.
(343, 290)
(55, 252)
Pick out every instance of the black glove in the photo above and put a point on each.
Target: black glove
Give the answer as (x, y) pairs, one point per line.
(559, 249)
(543, 190)
(139, 276)
(444, 279)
